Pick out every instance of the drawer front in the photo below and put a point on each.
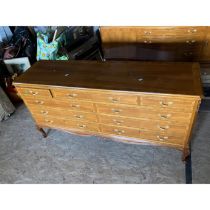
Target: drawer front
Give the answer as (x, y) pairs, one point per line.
(50, 121)
(163, 127)
(39, 102)
(118, 34)
(142, 112)
(171, 34)
(76, 105)
(68, 124)
(164, 138)
(79, 105)
(72, 94)
(167, 103)
(82, 116)
(118, 110)
(180, 118)
(84, 126)
(33, 92)
(62, 113)
(120, 131)
(116, 98)
(119, 121)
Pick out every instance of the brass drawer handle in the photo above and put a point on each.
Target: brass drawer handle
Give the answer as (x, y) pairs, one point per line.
(190, 41)
(82, 126)
(165, 104)
(33, 93)
(114, 100)
(193, 30)
(79, 116)
(118, 122)
(118, 131)
(72, 95)
(116, 111)
(75, 105)
(147, 32)
(49, 121)
(39, 102)
(163, 127)
(148, 41)
(44, 112)
(162, 138)
(165, 116)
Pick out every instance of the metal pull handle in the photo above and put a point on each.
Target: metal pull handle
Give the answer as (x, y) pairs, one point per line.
(147, 32)
(49, 121)
(140, 79)
(190, 41)
(82, 126)
(118, 131)
(44, 112)
(72, 95)
(33, 93)
(75, 105)
(114, 100)
(193, 30)
(165, 104)
(165, 116)
(116, 111)
(162, 138)
(118, 122)
(148, 41)
(163, 128)
(39, 102)
(79, 116)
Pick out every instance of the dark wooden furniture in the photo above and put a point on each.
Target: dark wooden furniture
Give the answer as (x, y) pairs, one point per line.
(156, 43)
(134, 102)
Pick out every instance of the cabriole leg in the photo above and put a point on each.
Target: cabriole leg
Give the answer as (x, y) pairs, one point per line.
(44, 134)
(185, 154)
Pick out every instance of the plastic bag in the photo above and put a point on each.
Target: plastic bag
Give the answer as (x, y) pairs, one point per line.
(50, 50)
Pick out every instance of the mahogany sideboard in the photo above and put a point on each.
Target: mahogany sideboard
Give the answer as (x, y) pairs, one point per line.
(134, 102)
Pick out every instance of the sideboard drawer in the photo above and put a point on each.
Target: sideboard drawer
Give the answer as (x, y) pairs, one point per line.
(72, 94)
(163, 126)
(120, 131)
(65, 123)
(82, 116)
(83, 126)
(117, 98)
(164, 138)
(75, 105)
(50, 121)
(143, 112)
(28, 92)
(167, 103)
(170, 34)
(119, 121)
(41, 101)
(119, 110)
(63, 113)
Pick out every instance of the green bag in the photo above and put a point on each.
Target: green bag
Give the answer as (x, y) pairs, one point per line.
(50, 51)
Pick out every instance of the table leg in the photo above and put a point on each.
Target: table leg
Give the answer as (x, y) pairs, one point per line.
(44, 134)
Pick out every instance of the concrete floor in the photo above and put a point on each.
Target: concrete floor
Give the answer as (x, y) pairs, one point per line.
(25, 157)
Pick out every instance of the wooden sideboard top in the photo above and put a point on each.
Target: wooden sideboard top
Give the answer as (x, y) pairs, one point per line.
(151, 77)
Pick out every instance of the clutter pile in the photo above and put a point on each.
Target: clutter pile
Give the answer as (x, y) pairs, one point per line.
(20, 47)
